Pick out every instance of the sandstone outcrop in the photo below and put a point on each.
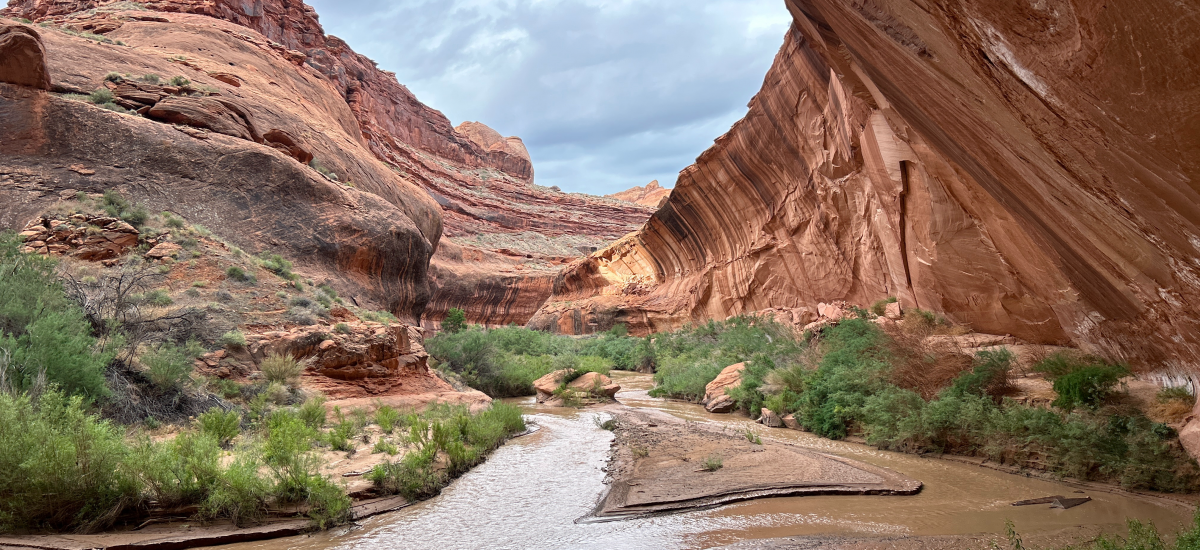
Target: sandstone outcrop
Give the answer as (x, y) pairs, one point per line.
(715, 399)
(651, 194)
(22, 57)
(1024, 169)
(592, 385)
(366, 365)
(89, 238)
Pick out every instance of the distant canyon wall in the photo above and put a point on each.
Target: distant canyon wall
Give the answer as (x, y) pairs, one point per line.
(1023, 168)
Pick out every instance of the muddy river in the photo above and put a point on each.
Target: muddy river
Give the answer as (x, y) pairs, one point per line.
(530, 493)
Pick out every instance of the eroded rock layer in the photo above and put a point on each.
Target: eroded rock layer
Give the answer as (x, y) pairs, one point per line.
(1029, 169)
(266, 73)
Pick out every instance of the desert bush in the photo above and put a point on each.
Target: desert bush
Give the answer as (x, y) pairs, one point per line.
(278, 265)
(101, 96)
(221, 425)
(150, 78)
(240, 494)
(854, 365)
(179, 81)
(283, 369)
(113, 203)
(341, 328)
(233, 339)
(386, 447)
(688, 359)
(169, 366)
(880, 308)
(455, 321)
(465, 439)
(712, 463)
(238, 274)
(313, 413)
(990, 375)
(45, 338)
(1081, 380)
(387, 417)
(159, 298)
(181, 471)
(63, 468)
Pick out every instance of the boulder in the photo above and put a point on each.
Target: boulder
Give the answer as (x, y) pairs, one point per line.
(163, 250)
(769, 419)
(23, 57)
(715, 400)
(791, 422)
(892, 311)
(592, 383)
(204, 112)
(596, 384)
(93, 239)
(1189, 436)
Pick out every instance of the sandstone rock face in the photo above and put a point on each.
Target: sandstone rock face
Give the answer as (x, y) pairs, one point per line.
(649, 195)
(715, 399)
(1020, 168)
(202, 112)
(22, 57)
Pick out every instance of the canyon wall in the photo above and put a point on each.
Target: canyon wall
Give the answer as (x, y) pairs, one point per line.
(482, 228)
(1023, 168)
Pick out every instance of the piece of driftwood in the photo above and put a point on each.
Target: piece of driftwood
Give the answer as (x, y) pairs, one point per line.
(1043, 500)
(1067, 503)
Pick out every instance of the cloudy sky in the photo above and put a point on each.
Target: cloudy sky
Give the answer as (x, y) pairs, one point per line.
(606, 94)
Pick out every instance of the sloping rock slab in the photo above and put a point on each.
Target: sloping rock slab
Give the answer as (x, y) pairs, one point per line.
(665, 476)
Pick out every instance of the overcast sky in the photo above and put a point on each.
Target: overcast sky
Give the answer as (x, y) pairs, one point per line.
(606, 94)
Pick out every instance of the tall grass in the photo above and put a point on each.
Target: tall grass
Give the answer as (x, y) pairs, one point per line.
(464, 440)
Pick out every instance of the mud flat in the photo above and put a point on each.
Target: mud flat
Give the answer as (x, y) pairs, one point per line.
(659, 466)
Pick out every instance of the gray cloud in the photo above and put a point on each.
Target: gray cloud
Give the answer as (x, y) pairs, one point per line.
(607, 94)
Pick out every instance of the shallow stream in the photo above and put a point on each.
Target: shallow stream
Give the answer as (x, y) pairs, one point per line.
(530, 492)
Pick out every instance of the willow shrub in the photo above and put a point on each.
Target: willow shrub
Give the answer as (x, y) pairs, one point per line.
(42, 333)
(690, 358)
(464, 439)
(63, 468)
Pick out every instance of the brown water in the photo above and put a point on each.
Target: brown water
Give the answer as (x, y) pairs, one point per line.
(531, 491)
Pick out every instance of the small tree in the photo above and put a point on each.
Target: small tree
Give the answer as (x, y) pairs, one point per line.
(455, 322)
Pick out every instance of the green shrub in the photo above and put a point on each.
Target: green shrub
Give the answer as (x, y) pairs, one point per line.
(101, 96)
(712, 463)
(159, 297)
(386, 447)
(221, 425)
(455, 321)
(387, 417)
(341, 328)
(63, 469)
(150, 78)
(988, 377)
(181, 471)
(1081, 380)
(283, 369)
(233, 339)
(170, 366)
(880, 308)
(278, 265)
(1175, 394)
(240, 494)
(238, 274)
(43, 334)
(179, 81)
(313, 413)
(854, 366)
(687, 360)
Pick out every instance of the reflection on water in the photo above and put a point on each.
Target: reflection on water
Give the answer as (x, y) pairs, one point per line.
(531, 491)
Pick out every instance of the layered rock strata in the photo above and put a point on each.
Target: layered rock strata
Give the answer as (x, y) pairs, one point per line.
(1025, 169)
(651, 194)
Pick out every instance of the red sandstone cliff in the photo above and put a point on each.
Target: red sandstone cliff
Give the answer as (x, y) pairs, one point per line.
(650, 194)
(1023, 168)
(274, 59)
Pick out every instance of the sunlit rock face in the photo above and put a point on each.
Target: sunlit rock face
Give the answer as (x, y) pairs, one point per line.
(1024, 168)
